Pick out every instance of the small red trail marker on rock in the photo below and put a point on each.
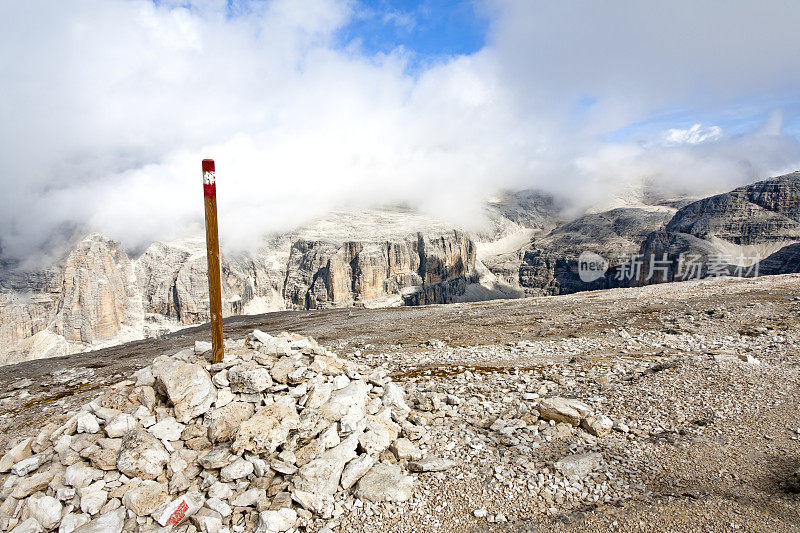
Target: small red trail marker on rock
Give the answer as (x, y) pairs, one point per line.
(212, 251)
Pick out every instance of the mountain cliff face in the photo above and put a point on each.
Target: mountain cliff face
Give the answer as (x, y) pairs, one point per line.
(323, 274)
(23, 315)
(90, 299)
(98, 295)
(550, 265)
(730, 230)
(173, 279)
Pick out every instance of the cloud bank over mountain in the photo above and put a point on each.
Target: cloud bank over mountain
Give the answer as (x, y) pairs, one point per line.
(109, 105)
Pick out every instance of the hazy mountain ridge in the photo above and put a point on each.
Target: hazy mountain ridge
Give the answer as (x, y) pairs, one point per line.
(738, 228)
(100, 296)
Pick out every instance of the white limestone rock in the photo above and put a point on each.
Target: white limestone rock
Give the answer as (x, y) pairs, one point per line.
(598, 425)
(356, 468)
(93, 497)
(110, 522)
(28, 465)
(46, 510)
(276, 521)
(431, 463)
(347, 405)
(31, 525)
(579, 465)
(249, 378)
(218, 457)
(16, 454)
(120, 425)
(566, 410)
(216, 504)
(144, 497)
(142, 455)
(385, 482)
(188, 387)
(87, 423)
(267, 429)
(168, 429)
(394, 397)
(240, 468)
(223, 422)
(405, 450)
(73, 521)
(81, 475)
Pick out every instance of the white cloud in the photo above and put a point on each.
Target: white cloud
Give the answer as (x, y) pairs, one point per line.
(109, 105)
(694, 135)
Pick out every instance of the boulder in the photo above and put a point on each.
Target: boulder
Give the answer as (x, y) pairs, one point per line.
(31, 525)
(120, 425)
(207, 521)
(188, 387)
(431, 463)
(81, 475)
(27, 486)
(267, 429)
(564, 410)
(223, 422)
(329, 365)
(347, 405)
(238, 469)
(46, 510)
(168, 429)
(394, 398)
(28, 465)
(599, 425)
(110, 522)
(271, 345)
(142, 455)
(276, 521)
(73, 521)
(15, 455)
(356, 468)
(282, 368)
(379, 435)
(144, 497)
(580, 465)
(385, 482)
(216, 504)
(87, 423)
(319, 394)
(249, 378)
(218, 457)
(93, 497)
(405, 450)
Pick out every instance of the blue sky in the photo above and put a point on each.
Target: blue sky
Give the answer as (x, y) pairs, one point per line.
(427, 29)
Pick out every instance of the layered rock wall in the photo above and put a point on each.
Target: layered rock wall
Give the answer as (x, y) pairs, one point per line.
(98, 294)
(322, 274)
(729, 232)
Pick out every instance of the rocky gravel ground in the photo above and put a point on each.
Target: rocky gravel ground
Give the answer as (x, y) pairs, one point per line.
(669, 407)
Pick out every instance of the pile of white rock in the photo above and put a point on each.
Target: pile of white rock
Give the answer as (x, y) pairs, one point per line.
(281, 435)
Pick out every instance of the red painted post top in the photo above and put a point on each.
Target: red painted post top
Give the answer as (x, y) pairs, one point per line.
(209, 179)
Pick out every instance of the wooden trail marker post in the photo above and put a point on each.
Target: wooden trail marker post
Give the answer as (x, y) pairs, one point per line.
(212, 252)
